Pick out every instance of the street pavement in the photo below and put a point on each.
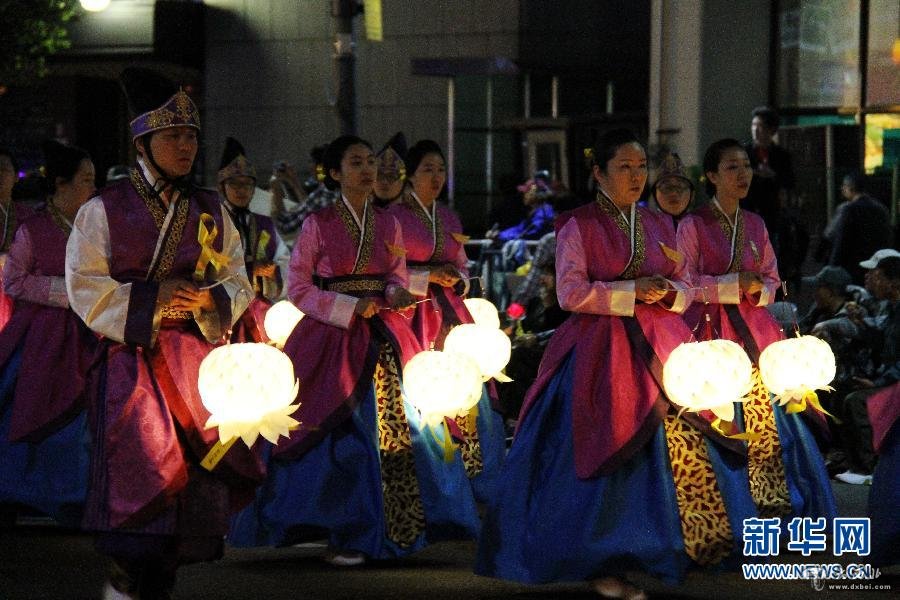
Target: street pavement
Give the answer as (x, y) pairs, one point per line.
(40, 561)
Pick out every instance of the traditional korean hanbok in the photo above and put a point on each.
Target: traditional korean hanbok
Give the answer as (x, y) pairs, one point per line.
(362, 469)
(602, 476)
(148, 492)
(787, 472)
(884, 497)
(434, 237)
(10, 218)
(45, 352)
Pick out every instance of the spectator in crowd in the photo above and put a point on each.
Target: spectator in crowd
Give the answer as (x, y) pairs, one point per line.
(883, 337)
(860, 226)
(307, 197)
(537, 194)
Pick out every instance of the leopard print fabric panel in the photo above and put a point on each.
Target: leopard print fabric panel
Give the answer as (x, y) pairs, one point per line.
(767, 481)
(704, 522)
(470, 447)
(403, 511)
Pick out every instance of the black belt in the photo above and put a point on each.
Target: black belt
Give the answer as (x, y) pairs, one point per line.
(353, 285)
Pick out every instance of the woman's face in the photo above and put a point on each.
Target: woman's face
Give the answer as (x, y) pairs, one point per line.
(8, 177)
(673, 195)
(733, 175)
(429, 178)
(239, 190)
(358, 170)
(80, 189)
(625, 174)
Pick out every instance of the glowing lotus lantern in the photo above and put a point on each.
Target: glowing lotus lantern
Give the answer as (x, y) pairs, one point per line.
(483, 312)
(794, 368)
(441, 384)
(709, 375)
(489, 347)
(281, 318)
(248, 389)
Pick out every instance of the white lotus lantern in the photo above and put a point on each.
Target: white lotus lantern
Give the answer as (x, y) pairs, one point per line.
(794, 368)
(489, 347)
(248, 389)
(483, 312)
(281, 319)
(441, 384)
(710, 375)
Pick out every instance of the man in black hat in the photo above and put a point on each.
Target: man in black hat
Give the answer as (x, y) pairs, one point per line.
(155, 266)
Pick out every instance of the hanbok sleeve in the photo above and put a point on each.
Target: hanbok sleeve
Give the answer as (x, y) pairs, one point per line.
(397, 273)
(329, 307)
(103, 303)
(767, 267)
(575, 290)
(20, 281)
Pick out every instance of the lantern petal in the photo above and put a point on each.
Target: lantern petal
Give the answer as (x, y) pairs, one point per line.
(502, 378)
(724, 412)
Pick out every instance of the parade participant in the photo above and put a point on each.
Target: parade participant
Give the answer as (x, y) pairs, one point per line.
(390, 182)
(603, 476)
(11, 214)
(43, 455)
(265, 255)
(731, 262)
(673, 191)
(361, 468)
(156, 267)
(437, 260)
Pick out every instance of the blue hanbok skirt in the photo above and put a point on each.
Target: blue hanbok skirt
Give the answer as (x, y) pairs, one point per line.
(50, 476)
(492, 437)
(884, 503)
(548, 525)
(336, 488)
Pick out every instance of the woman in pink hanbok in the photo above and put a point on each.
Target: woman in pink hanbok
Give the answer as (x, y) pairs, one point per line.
(11, 215)
(361, 470)
(43, 428)
(604, 476)
(732, 264)
(436, 258)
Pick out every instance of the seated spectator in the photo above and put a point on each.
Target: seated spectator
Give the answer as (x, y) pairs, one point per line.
(531, 286)
(883, 337)
(537, 194)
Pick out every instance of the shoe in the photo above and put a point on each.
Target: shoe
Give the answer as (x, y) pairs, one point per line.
(854, 478)
(345, 559)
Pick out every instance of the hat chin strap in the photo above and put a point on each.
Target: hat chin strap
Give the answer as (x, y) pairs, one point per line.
(181, 184)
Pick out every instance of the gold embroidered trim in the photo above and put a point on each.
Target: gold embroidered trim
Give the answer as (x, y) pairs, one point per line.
(9, 230)
(612, 211)
(704, 521)
(736, 265)
(403, 510)
(365, 253)
(436, 229)
(364, 285)
(768, 485)
(470, 447)
(170, 313)
(166, 260)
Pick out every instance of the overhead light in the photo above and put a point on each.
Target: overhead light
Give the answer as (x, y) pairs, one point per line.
(94, 5)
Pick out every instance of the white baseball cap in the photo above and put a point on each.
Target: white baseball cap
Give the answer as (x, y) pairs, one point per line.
(877, 257)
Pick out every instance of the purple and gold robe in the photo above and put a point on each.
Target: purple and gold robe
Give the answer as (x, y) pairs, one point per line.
(146, 413)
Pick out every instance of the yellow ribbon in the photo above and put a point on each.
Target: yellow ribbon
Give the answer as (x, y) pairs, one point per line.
(746, 436)
(216, 453)
(261, 244)
(208, 256)
(674, 255)
(398, 251)
(472, 419)
(462, 239)
(446, 444)
(813, 399)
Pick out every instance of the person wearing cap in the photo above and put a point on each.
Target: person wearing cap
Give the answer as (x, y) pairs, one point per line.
(437, 263)
(155, 266)
(11, 215)
(265, 255)
(732, 265)
(390, 182)
(43, 458)
(860, 226)
(672, 191)
(536, 195)
(830, 296)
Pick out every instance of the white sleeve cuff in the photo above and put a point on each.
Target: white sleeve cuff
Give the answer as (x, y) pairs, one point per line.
(621, 298)
(58, 295)
(728, 289)
(418, 281)
(342, 311)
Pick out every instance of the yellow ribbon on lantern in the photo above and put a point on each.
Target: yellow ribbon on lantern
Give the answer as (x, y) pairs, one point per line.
(446, 444)
(206, 235)
(216, 453)
(746, 436)
(798, 406)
